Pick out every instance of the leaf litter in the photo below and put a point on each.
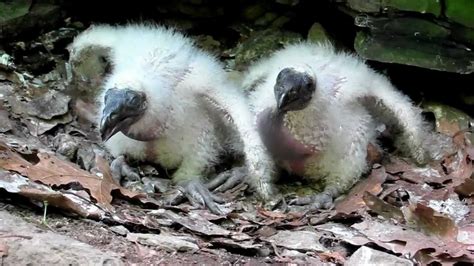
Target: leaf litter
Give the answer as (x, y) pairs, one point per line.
(49, 155)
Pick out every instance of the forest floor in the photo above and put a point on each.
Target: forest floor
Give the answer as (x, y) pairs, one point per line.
(52, 162)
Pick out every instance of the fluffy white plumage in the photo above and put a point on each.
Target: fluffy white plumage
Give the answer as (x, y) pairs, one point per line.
(349, 102)
(195, 112)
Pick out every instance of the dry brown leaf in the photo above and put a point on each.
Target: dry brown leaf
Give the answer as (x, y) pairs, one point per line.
(347, 234)
(15, 183)
(195, 224)
(272, 214)
(53, 171)
(397, 166)
(432, 222)
(449, 128)
(466, 189)
(382, 208)
(460, 165)
(410, 243)
(335, 257)
(354, 202)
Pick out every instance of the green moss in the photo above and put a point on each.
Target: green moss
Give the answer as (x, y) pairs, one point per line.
(317, 33)
(13, 9)
(464, 34)
(376, 6)
(447, 115)
(409, 26)
(412, 52)
(422, 6)
(371, 6)
(461, 11)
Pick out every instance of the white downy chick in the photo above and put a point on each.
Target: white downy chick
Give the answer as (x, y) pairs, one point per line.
(317, 111)
(168, 102)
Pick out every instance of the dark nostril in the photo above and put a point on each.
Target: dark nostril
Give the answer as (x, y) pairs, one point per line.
(310, 85)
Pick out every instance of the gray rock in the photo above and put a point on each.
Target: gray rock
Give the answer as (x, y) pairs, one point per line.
(367, 257)
(119, 230)
(376, 6)
(66, 145)
(5, 123)
(288, 2)
(38, 126)
(297, 240)
(406, 51)
(30, 245)
(410, 27)
(266, 19)
(55, 40)
(292, 254)
(165, 241)
(49, 105)
(19, 17)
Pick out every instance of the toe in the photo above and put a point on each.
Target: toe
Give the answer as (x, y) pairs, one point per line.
(236, 178)
(219, 180)
(301, 201)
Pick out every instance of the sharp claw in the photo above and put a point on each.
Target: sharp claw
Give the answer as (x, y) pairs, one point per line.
(219, 180)
(130, 174)
(120, 168)
(301, 201)
(173, 196)
(199, 195)
(234, 179)
(217, 198)
(228, 179)
(317, 201)
(116, 168)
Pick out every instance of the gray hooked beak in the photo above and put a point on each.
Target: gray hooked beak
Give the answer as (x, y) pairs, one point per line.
(282, 100)
(293, 89)
(122, 108)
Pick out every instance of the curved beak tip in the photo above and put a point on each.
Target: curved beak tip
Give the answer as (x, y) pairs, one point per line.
(281, 101)
(107, 130)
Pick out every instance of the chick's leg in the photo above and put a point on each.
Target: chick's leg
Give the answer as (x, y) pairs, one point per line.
(120, 168)
(233, 107)
(190, 184)
(228, 179)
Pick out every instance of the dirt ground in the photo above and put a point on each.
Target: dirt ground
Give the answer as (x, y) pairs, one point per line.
(99, 236)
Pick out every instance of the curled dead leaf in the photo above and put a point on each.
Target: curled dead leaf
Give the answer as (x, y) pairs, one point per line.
(53, 171)
(432, 222)
(354, 202)
(382, 208)
(466, 189)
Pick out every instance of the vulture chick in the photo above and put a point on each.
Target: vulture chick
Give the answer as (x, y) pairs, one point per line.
(167, 102)
(317, 110)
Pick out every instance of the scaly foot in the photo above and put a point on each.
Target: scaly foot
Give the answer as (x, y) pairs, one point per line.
(198, 195)
(120, 168)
